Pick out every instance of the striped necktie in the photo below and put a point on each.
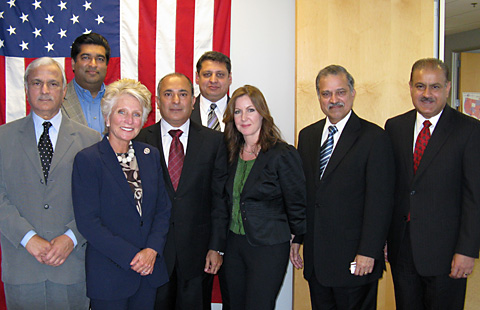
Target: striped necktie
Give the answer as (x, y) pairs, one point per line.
(212, 118)
(326, 150)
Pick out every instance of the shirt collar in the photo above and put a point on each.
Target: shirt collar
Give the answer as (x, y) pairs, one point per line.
(38, 121)
(166, 127)
(81, 92)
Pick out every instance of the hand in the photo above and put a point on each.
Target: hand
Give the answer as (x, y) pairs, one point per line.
(213, 261)
(144, 261)
(364, 265)
(61, 247)
(38, 247)
(295, 257)
(462, 266)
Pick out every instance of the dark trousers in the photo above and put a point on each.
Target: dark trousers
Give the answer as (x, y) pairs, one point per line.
(143, 298)
(361, 297)
(254, 274)
(183, 294)
(416, 292)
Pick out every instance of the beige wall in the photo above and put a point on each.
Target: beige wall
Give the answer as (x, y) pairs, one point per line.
(377, 41)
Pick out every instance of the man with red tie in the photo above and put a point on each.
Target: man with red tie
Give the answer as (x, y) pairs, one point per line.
(434, 237)
(194, 164)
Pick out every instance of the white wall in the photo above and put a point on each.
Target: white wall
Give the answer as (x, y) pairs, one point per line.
(263, 55)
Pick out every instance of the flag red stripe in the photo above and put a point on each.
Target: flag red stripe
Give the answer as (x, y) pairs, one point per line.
(146, 49)
(68, 69)
(3, 95)
(221, 26)
(184, 37)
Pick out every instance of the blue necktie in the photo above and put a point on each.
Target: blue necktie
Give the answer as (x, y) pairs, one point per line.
(326, 150)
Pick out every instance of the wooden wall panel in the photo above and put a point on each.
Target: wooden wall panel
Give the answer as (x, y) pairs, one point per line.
(377, 41)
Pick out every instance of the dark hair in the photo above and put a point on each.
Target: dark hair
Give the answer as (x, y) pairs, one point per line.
(334, 70)
(89, 38)
(269, 132)
(178, 75)
(430, 63)
(214, 56)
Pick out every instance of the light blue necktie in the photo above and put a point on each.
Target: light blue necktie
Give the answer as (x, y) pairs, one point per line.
(326, 150)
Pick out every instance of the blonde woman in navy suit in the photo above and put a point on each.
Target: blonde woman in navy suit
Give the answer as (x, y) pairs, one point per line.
(121, 205)
(266, 194)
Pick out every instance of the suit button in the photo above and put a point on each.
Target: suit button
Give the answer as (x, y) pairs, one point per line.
(141, 223)
(46, 206)
(412, 193)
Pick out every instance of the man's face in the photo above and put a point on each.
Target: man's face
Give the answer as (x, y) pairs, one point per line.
(175, 100)
(90, 67)
(429, 90)
(335, 97)
(213, 80)
(45, 90)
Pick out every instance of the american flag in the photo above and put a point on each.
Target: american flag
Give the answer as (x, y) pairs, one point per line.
(148, 38)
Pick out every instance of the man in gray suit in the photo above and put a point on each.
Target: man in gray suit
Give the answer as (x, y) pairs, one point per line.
(90, 55)
(42, 250)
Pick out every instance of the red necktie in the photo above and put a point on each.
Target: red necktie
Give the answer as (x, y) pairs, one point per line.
(175, 157)
(421, 144)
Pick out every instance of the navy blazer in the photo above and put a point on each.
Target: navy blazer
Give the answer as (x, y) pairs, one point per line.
(107, 217)
(273, 199)
(443, 197)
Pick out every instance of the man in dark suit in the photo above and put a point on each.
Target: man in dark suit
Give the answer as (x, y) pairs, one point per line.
(434, 237)
(213, 77)
(348, 165)
(199, 219)
(43, 254)
(90, 55)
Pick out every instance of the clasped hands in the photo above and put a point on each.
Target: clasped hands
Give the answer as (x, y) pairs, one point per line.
(53, 253)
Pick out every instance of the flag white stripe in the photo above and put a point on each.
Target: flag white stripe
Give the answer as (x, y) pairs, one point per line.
(165, 44)
(203, 33)
(15, 101)
(129, 18)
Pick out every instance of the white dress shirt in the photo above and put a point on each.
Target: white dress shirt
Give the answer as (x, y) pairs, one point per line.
(219, 111)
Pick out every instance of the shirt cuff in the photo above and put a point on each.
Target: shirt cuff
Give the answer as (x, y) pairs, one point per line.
(70, 234)
(27, 237)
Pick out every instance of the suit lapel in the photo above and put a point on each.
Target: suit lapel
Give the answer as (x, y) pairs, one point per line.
(110, 161)
(349, 135)
(438, 138)
(257, 168)
(65, 139)
(146, 174)
(407, 142)
(29, 144)
(194, 145)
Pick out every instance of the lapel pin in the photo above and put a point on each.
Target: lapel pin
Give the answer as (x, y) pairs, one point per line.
(146, 151)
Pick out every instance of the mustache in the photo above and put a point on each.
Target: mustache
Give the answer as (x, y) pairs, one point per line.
(336, 104)
(426, 99)
(45, 97)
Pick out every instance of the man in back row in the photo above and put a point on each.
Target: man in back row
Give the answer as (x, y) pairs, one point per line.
(90, 55)
(214, 78)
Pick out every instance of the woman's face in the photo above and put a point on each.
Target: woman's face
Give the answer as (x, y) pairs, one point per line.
(247, 119)
(125, 121)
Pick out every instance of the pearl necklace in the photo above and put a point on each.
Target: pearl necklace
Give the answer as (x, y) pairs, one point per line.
(128, 156)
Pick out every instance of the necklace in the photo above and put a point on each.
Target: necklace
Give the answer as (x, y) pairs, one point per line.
(128, 156)
(253, 152)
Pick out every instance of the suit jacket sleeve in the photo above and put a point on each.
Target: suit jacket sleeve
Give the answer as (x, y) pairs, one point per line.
(468, 241)
(379, 193)
(292, 183)
(219, 213)
(86, 189)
